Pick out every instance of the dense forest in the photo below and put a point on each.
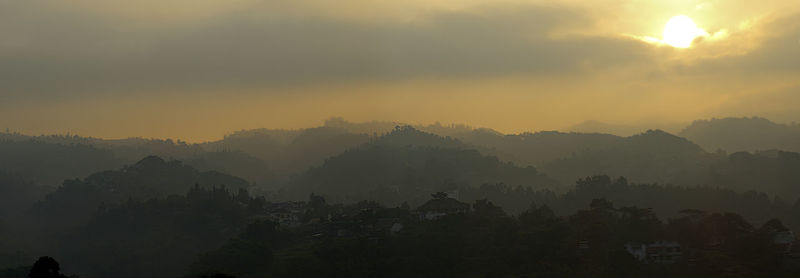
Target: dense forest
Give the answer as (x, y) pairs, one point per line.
(213, 231)
(383, 199)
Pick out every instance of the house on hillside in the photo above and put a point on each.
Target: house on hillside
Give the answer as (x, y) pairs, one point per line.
(286, 214)
(441, 206)
(660, 252)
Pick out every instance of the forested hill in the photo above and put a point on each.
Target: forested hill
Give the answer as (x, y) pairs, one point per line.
(156, 176)
(542, 147)
(51, 163)
(743, 134)
(17, 195)
(290, 151)
(653, 157)
(76, 200)
(407, 165)
(582, 233)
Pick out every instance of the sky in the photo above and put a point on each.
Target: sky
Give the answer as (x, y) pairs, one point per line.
(198, 69)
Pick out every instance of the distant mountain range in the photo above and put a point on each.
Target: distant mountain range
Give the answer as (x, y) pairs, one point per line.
(276, 160)
(743, 134)
(622, 129)
(409, 165)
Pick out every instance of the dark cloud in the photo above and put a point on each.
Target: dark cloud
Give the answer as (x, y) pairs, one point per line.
(69, 56)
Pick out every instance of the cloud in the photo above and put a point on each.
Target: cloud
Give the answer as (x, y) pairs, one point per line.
(126, 68)
(65, 55)
(767, 47)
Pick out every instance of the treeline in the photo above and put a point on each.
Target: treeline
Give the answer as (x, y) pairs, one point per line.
(153, 238)
(484, 241)
(665, 200)
(509, 231)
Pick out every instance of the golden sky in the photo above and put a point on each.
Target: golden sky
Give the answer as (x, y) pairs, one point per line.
(197, 69)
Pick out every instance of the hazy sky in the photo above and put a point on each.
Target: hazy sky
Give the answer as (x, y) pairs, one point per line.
(197, 69)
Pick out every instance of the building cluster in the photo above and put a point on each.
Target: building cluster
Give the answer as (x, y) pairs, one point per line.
(368, 221)
(659, 252)
(440, 207)
(287, 214)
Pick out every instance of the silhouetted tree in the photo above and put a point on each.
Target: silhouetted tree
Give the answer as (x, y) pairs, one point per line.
(46, 267)
(486, 208)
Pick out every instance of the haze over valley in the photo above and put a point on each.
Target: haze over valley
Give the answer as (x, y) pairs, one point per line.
(437, 138)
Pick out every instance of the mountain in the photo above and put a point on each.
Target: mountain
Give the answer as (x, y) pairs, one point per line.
(260, 143)
(128, 150)
(411, 137)
(50, 159)
(17, 195)
(620, 129)
(601, 127)
(271, 158)
(236, 163)
(535, 149)
(775, 172)
(384, 127)
(152, 177)
(289, 151)
(409, 165)
(743, 134)
(651, 157)
(312, 146)
(49, 163)
(372, 127)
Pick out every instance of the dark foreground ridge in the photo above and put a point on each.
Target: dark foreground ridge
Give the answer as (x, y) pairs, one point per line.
(442, 238)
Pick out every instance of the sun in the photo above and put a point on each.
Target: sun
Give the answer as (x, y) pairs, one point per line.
(681, 31)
